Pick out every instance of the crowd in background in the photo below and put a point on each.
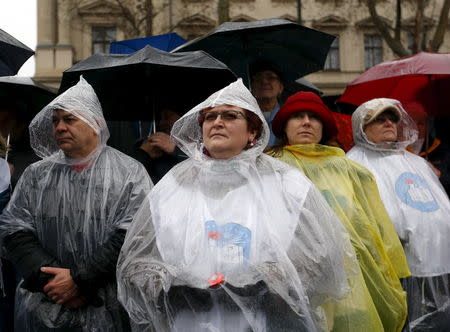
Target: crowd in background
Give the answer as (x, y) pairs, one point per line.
(243, 213)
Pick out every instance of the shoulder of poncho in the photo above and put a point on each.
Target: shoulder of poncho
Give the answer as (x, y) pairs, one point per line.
(124, 159)
(39, 166)
(361, 170)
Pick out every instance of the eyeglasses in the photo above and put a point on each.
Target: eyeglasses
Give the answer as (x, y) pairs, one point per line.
(227, 116)
(383, 117)
(265, 76)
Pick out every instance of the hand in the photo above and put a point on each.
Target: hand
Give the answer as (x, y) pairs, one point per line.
(76, 302)
(153, 151)
(162, 141)
(61, 288)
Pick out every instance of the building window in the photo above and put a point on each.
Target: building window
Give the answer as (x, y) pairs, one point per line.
(411, 42)
(102, 38)
(332, 62)
(373, 50)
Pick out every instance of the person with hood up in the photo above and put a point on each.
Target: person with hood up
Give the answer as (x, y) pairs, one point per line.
(377, 302)
(416, 202)
(67, 219)
(251, 245)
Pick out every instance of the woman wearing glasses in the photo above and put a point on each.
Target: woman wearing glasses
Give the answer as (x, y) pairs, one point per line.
(416, 202)
(232, 239)
(304, 125)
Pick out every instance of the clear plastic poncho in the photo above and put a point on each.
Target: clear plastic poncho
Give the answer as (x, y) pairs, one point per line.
(255, 220)
(72, 207)
(377, 301)
(5, 175)
(419, 209)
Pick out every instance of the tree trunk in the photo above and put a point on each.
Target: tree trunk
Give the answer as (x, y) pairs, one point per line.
(383, 28)
(441, 28)
(398, 21)
(418, 28)
(149, 18)
(223, 11)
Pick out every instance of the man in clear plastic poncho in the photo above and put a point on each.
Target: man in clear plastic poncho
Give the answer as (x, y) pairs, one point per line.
(67, 219)
(231, 239)
(416, 202)
(377, 302)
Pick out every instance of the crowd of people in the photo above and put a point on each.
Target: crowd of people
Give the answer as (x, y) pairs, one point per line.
(238, 215)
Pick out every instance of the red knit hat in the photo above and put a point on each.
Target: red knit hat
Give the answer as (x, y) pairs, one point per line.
(305, 101)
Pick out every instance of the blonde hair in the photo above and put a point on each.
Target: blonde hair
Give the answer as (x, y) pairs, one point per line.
(3, 147)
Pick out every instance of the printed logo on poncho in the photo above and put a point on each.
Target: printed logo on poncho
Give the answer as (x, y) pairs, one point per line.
(414, 191)
(230, 242)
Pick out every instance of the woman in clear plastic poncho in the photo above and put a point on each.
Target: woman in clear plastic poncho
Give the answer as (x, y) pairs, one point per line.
(377, 302)
(416, 202)
(71, 212)
(231, 239)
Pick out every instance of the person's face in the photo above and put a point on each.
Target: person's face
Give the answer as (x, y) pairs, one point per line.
(74, 136)
(303, 128)
(266, 85)
(168, 118)
(383, 128)
(225, 131)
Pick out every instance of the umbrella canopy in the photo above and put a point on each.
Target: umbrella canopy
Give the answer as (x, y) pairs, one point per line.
(300, 84)
(132, 87)
(13, 54)
(423, 77)
(166, 42)
(26, 91)
(23, 97)
(296, 50)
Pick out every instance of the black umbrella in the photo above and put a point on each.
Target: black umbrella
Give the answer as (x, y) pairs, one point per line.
(133, 86)
(13, 54)
(26, 90)
(296, 50)
(300, 84)
(23, 96)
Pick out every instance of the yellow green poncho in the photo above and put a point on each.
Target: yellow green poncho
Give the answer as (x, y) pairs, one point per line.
(377, 296)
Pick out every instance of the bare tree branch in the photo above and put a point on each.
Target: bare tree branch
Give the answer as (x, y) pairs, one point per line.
(383, 28)
(418, 27)
(441, 28)
(398, 21)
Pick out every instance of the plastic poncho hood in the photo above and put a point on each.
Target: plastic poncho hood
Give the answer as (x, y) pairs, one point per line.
(5, 175)
(414, 198)
(256, 222)
(81, 101)
(406, 127)
(187, 133)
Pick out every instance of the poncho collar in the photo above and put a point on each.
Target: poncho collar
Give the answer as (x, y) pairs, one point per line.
(314, 150)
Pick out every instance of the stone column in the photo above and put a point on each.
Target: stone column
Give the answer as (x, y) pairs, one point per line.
(64, 14)
(63, 50)
(46, 22)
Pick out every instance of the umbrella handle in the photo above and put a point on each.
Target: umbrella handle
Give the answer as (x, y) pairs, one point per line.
(7, 146)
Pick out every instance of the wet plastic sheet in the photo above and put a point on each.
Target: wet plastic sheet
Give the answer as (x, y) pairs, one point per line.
(73, 206)
(417, 205)
(258, 222)
(350, 189)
